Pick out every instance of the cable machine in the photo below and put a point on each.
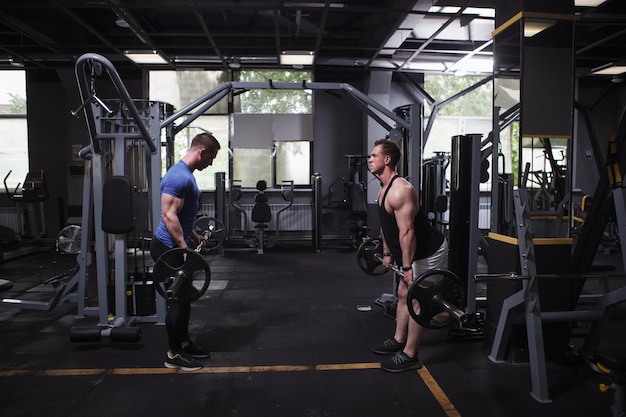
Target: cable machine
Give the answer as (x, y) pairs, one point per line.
(123, 189)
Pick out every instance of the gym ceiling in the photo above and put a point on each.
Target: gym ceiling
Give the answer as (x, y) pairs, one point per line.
(426, 36)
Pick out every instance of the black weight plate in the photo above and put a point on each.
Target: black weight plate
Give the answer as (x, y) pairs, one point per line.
(214, 229)
(436, 283)
(188, 264)
(366, 257)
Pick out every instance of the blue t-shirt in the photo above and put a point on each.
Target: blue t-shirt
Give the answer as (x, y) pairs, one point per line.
(180, 183)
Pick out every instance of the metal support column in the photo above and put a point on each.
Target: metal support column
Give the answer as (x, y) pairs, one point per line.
(464, 196)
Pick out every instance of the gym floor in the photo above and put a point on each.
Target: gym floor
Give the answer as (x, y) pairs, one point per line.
(286, 340)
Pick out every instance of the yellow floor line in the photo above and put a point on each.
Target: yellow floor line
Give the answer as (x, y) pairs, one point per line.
(72, 372)
(426, 376)
(206, 370)
(438, 393)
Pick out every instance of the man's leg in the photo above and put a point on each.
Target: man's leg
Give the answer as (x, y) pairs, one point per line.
(410, 332)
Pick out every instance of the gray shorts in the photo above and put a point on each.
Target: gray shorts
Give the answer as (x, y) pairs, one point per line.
(437, 260)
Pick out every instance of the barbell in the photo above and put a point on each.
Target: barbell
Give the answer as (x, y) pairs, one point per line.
(439, 292)
(182, 274)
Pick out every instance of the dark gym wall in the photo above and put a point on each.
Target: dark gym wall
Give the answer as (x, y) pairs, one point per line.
(338, 128)
(47, 133)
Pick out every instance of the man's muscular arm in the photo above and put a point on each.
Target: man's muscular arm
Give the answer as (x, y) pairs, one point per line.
(170, 206)
(404, 204)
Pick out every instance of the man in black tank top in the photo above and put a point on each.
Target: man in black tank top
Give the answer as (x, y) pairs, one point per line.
(408, 240)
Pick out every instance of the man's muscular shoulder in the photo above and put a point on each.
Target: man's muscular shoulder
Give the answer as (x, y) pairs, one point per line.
(403, 194)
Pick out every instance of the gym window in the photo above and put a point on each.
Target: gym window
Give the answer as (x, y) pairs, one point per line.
(293, 162)
(13, 127)
(272, 131)
(285, 161)
(261, 101)
(179, 88)
(264, 132)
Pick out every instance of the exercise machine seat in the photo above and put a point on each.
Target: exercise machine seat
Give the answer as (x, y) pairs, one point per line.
(261, 213)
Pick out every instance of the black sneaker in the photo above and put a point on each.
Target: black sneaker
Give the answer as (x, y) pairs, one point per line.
(196, 351)
(182, 361)
(401, 362)
(387, 347)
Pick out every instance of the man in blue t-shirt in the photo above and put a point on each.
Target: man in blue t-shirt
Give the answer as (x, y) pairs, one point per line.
(180, 202)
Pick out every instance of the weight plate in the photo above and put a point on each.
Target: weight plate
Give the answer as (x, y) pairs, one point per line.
(435, 299)
(68, 239)
(366, 258)
(214, 231)
(181, 275)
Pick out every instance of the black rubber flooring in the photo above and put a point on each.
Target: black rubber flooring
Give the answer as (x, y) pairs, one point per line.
(286, 340)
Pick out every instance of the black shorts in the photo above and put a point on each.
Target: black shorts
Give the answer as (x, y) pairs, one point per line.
(157, 248)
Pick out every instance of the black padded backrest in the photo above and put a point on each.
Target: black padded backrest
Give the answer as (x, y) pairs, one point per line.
(117, 205)
(261, 213)
(235, 193)
(261, 185)
(441, 203)
(260, 198)
(287, 195)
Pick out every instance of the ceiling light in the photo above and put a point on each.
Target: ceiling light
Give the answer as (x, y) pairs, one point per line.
(588, 3)
(609, 69)
(16, 63)
(315, 5)
(122, 23)
(235, 63)
(533, 27)
(299, 58)
(145, 57)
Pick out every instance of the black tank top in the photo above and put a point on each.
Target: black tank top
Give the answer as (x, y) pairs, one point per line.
(427, 237)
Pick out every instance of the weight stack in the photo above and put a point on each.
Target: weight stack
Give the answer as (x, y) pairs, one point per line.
(140, 295)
